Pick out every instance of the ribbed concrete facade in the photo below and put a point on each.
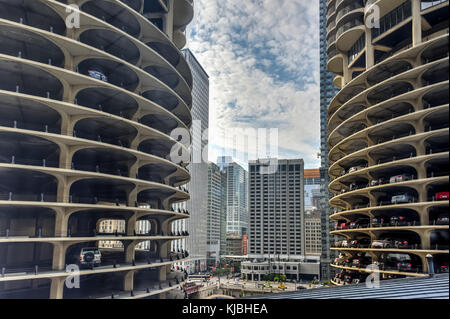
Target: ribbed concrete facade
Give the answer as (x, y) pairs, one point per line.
(85, 126)
(388, 134)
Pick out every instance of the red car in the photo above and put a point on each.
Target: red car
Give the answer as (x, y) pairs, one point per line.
(441, 196)
(343, 226)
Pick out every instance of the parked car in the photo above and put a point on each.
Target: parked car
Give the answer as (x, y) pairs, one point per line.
(355, 168)
(442, 219)
(360, 243)
(348, 279)
(441, 196)
(96, 74)
(379, 181)
(381, 243)
(399, 221)
(360, 262)
(359, 223)
(401, 262)
(90, 256)
(343, 226)
(400, 243)
(347, 262)
(379, 264)
(443, 268)
(378, 222)
(402, 198)
(400, 178)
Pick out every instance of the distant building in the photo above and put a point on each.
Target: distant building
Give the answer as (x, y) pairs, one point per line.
(235, 245)
(196, 243)
(313, 231)
(276, 206)
(216, 235)
(236, 191)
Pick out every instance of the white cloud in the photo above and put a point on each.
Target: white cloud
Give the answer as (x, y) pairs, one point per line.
(263, 60)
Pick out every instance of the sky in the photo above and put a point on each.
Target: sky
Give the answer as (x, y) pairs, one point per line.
(262, 57)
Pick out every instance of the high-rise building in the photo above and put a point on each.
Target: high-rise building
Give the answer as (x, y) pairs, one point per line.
(84, 138)
(388, 134)
(276, 240)
(236, 198)
(216, 235)
(276, 210)
(313, 229)
(196, 243)
(327, 91)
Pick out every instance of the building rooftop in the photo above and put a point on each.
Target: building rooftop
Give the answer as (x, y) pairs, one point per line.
(436, 287)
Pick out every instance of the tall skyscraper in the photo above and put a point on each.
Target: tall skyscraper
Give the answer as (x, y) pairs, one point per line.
(216, 235)
(388, 134)
(277, 225)
(85, 119)
(196, 243)
(313, 229)
(327, 91)
(236, 191)
(276, 209)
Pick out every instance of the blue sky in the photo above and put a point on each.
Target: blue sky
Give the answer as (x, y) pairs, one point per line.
(262, 57)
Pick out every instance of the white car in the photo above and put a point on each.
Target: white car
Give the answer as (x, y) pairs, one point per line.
(402, 198)
(355, 168)
(98, 75)
(90, 256)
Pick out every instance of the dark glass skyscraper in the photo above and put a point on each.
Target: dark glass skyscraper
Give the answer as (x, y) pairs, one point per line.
(327, 91)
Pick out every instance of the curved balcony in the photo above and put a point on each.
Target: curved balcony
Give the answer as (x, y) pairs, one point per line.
(85, 143)
(388, 141)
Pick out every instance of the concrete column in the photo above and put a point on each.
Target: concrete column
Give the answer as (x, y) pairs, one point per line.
(162, 275)
(129, 247)
(57, 288)
(425, 237)
(59, 256)
(416, 22)
(370, 51)
(168, 20)
(131, 224)
(347, 74)
(132, 196)
(128, 280)
(61, 223)
(134, 169)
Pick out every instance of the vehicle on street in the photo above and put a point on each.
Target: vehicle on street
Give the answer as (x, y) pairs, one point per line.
(200, 277)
